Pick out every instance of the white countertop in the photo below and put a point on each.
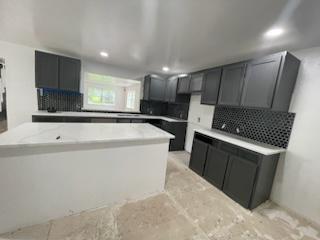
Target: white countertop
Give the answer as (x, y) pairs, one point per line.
(38, 134)
(106, 115)
(252, 145)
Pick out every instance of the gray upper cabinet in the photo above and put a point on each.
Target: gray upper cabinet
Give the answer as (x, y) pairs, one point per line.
(46, 70)
(286, 82)
(171, 90)
(184, 85)
(154, 88)
(53, 71)
(210, 86)
(260, 82)
(270, 81)
(196, 82)
(69, 74)
(231, 84)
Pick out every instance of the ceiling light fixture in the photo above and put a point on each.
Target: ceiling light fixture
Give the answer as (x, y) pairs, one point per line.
(274, 32)
(165, 69)
(183, 75)
(104, 54)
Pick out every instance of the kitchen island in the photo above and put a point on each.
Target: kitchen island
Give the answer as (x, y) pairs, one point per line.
(50, 170)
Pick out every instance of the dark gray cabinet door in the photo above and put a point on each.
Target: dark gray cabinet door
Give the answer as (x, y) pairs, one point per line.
(69, 74)
(216, 166)
(198, 156)
(157, 89)
(171, 89)
(46, 70)
(138, 121)
(260, 82)
(124, 120)
(196, 82)
(146, 88)
(239, 180)
(184, 85)
(210, 86)
(231, 84)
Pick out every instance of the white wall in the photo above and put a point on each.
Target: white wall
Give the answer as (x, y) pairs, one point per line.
(21, 92)
(20, 76)
(200, 116)
(297, 183)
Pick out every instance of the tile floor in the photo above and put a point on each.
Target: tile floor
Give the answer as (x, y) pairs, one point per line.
(190, 208)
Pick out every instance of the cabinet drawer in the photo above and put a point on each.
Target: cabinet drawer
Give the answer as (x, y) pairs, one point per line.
(249, 156)
(229, 148)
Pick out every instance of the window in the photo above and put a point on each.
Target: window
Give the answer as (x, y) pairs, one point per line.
(103, 92)
(101, 96)
(130, 99)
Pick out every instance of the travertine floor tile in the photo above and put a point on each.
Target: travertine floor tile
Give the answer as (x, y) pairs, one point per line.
(154, 218)
(91, 225)
(36, 232)
(190, 208)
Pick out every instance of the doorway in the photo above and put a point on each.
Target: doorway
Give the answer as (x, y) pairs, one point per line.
(3, 101)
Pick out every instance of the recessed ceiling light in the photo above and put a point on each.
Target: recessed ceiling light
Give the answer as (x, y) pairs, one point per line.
(274, 32)
(165, 69)
(104, 54)
(183, 75)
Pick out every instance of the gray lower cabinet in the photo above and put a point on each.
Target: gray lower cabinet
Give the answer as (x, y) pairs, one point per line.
(231, 84)
(240, 179)
(178, 129)
(243, 175)
(183, 85)
(198, 156)
(124, 120)
(138, 121)
(216, 166)
(196, 82)
(210, 86)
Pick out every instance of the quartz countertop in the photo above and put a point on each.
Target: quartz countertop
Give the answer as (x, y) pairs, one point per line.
(246, 143)
(106, 115)
(38, 134)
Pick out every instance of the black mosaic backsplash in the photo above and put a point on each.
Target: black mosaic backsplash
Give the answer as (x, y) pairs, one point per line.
(61, 100)
(261, 125)
(153, 107)
(176, 110)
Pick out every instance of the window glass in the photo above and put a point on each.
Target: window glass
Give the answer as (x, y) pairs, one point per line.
(103, 92)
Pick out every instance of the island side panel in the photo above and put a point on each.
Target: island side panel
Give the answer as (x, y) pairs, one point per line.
(56, 182)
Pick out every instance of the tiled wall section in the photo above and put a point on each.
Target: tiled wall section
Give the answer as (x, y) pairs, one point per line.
(61, 100)
(261, 125)
(176, 110)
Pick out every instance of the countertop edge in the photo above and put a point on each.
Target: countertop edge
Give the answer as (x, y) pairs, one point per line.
(142, 116)
(241, 143)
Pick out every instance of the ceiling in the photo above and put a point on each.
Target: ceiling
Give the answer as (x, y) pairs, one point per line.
(185, 35)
